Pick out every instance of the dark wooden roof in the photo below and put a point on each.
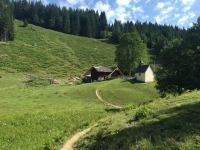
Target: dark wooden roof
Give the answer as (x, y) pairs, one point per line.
(142, 68)
(104, 69)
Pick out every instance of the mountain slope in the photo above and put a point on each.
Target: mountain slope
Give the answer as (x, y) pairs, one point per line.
(45, 52)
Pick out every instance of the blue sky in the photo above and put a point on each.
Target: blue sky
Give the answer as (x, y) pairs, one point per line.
(174, 12)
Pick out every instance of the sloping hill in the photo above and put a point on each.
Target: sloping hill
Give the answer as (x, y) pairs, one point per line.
(45, 52)
(171, 123)
(44, 117)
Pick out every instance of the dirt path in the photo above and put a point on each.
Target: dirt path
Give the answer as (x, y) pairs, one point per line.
(106, 103)
(69, 144)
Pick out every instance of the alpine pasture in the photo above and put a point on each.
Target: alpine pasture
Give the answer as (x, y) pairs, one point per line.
(36, 115)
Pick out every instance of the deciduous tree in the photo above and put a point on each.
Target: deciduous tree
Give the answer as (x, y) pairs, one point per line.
(130, 50)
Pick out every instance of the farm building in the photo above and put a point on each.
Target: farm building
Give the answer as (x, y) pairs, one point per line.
(144, 73)
(101, 73)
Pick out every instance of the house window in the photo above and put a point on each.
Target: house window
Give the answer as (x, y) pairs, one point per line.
(139, 74)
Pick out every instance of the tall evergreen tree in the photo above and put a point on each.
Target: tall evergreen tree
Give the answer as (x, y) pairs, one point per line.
(66, 21)
(6, 21)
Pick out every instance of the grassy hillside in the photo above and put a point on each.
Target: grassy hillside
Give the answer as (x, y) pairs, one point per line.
(124, 91)
(171, 123)
(48, 53)
(44, 117)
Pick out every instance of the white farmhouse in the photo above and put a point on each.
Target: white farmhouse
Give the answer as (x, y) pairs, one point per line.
(144, 73)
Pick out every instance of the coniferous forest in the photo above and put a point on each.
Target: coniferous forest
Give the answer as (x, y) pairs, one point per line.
(88, 23)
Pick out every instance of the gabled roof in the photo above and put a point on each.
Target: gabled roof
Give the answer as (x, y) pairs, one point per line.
(104, 69)
(142, 68)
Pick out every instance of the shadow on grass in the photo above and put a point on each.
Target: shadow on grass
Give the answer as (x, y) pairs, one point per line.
(108, 41)
(112, 110)
(176, 128)
(131, 80)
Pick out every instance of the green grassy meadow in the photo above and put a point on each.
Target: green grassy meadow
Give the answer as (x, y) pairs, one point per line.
(171, 123)
(45, 117)
(122, 92)
(47, 53)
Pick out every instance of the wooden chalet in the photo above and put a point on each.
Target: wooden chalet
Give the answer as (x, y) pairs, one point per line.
(96, 73)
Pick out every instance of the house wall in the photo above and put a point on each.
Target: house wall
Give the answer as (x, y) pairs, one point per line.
(140, 76)
(149, 77)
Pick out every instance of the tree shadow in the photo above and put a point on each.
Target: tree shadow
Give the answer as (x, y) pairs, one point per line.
(108, 41)
(175, 128)
(112, 110)
(132, 81)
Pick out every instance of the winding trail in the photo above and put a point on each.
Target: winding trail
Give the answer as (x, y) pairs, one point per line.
(106, 103)
(69, 144)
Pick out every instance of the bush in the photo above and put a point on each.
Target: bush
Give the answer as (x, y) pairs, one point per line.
(142, 113)
(129, 107)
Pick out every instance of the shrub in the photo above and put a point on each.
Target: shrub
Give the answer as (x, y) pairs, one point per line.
(129, 106)
(142, 112)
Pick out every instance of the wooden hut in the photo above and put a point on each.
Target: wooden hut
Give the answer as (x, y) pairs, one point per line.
(96, 73)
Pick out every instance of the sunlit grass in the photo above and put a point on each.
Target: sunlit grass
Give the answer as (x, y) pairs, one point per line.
(171, 123)
(48, 53)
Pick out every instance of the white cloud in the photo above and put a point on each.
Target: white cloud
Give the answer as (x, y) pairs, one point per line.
(160, 18)
(186, 8)
(123, 2)
(101, 7)
(110, 14)
(122, 14)
(45, 2)
(166, 11)
(84, 7)
(191, 24)
(188, 2)
(192, 15)
(182, 20)
(177, 15)
(137, 9)
(161, 5)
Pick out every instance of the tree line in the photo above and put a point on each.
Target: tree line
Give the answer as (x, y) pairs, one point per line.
(88, 23)
(155, 36)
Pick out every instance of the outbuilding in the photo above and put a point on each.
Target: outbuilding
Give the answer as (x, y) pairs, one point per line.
(144, 73)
